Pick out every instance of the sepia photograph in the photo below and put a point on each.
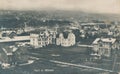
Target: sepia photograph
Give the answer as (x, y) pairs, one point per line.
(59, 36)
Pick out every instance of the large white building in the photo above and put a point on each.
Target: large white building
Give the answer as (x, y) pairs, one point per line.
(34, 39)
(42, 39)
(66, 39)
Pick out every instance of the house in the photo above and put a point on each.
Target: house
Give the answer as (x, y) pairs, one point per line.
(19, 31)
(87, 26)
(52, 37)
(39, 40)
(9, 54)
(65, 39)
(42, 39)
(103, 46)
(34, 39)
(12, 34)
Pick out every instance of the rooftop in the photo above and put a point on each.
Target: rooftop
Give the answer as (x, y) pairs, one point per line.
(92, 24)
(109, 40)
(9, 50)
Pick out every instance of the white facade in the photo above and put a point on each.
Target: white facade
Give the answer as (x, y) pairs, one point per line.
(43, 39)
(66, 42)
(71, 38)
(34, 40)
(103, 46)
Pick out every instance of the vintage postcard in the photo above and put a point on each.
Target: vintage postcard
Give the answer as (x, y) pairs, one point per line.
(59, 36)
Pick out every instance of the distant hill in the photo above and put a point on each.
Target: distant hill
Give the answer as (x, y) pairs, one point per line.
(10, 18)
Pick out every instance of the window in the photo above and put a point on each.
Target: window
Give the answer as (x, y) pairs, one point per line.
(100, 45)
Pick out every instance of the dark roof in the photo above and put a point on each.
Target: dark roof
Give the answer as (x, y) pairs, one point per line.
(65, 34)
(37, 31)
(57, 36)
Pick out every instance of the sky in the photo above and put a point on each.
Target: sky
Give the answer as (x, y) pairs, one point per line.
(96, 6)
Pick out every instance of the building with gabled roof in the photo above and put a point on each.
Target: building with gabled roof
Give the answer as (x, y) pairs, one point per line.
(66, 39)
(42, 38)
(104, 46)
